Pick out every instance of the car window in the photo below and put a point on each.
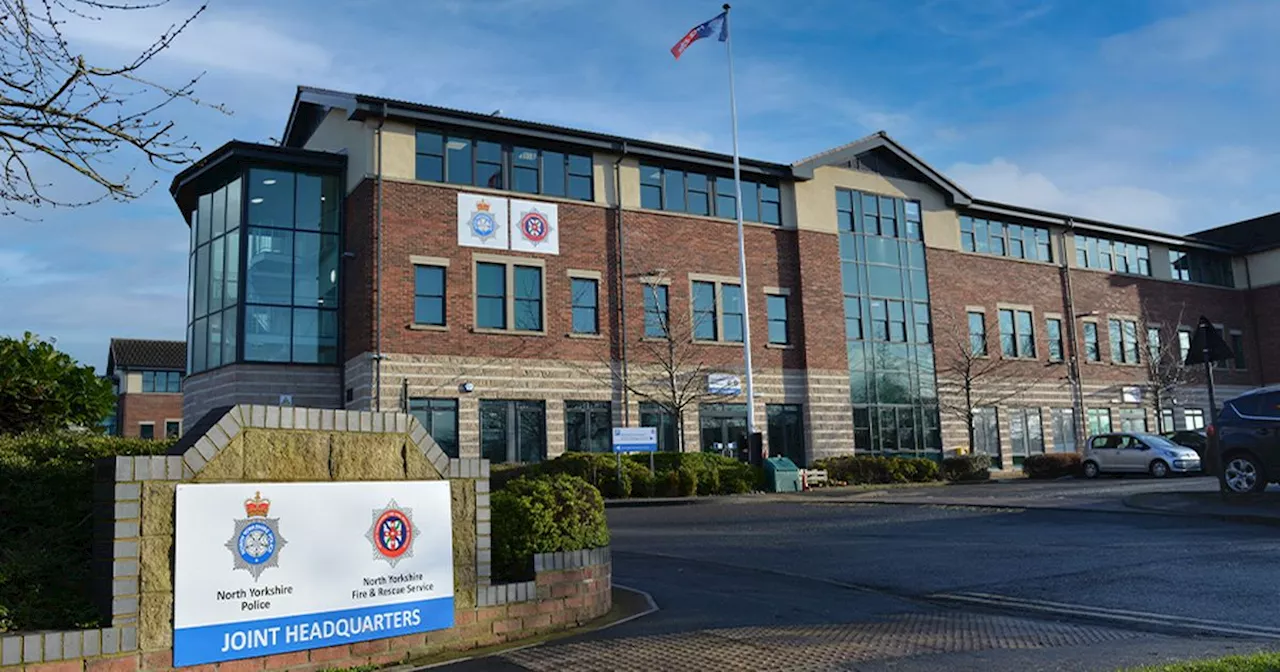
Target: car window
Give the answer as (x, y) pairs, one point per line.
(1262, 405)
(1159, 442)
(1101, 442)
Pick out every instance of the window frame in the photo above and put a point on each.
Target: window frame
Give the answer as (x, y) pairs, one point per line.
(1028, 236)
(507, 163)
(713, 194)
(1123, 342)
(443, 266)
(426, 406)
(649, 287)
(172, 422)
(1238, 361)
(718, 283)
(784, 294)
(589, 409)
(584, 276)
(1053, 323)
(1091, 340)
(1016, 312)
(1136, 256)
(150, 428)
(509, 298)
(985, 349)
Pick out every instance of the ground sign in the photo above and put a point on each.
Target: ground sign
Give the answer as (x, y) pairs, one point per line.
(269, 568)
(635, 439)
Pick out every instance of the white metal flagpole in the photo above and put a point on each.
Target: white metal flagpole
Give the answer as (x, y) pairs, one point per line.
(742, 251)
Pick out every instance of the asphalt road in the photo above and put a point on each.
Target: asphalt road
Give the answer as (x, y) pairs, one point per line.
(936, 586)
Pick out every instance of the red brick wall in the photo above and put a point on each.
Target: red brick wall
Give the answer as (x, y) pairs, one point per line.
(1266, 343)
(357, 271)
(822, 301)
(148, 407)
(421, 220)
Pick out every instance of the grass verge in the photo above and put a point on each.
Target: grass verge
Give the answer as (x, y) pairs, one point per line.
(1258, 662)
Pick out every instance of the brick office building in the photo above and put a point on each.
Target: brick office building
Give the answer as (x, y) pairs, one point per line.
(147, 376)
(516, 285)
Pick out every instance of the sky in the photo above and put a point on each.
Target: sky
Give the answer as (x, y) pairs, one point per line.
(1152, 113)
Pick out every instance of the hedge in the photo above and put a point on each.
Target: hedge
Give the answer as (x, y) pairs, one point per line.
(868, 469)
(967, 468)
(46, 527)
(1051, 465)
(674, 475)
(543, 514)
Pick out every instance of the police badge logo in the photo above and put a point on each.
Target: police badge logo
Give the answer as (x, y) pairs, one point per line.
(256, 542)
(392, 533)
(535, 227)
(482, 223)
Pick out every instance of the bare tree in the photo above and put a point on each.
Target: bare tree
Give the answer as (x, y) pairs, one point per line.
(972, 375)
(1163, 360)
(670, 369)
(58, 108)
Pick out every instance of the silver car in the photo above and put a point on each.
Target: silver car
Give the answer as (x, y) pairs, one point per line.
(1137, 453)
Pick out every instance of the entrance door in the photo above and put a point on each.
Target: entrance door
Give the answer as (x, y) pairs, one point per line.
(513, 431)
(786, 432)
(723, 428)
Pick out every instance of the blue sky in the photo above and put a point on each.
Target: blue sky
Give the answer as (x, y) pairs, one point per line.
(1154, 113)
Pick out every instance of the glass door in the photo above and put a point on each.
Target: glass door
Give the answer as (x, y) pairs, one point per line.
(513, 431)
(723, 429)
(786, 432)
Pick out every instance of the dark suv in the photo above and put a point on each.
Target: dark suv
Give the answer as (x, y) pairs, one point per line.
(1244, 442)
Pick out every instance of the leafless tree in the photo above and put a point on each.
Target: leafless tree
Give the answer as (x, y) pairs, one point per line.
(58, 108)
(1163, 360)
(973, 375)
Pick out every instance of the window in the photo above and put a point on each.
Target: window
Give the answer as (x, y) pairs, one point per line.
(213, 273)
(482, 163)
(655, 311)
(1064, 429)
(978, 334)
(1091, 350)
(172, 429)
(1166, 420)
(161, 382)
(1001, 239)
(1124, 341)
(1237, 349)
(439, 417)
(588, 426)
(1193, 418)
(656, 415)
(147, 430)
(776, 306)
(429, 295)
(1053, 330)
(585, 306)
(1099, 421)
(513, 431)
(1026, 434)
(717, 311)
(1153, 343)
(1184, 343)
(676, 190)
(1017, 337)
(704, 311)
(1111, 255)
(1133, 420)
(1201, 266)
(986, 434)
(732, 311)
(495, 281)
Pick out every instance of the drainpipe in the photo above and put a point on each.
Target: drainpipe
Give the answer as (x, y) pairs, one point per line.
(377, 274)
(1073, 364)
(622, 284)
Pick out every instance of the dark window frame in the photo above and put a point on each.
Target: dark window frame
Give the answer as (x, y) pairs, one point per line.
(1033, 241)
(767, 194)
(1011, 344)
(575, 305)
(657, 305)
(783, 321)
(443, 295)
(589, 411)
(426, 408)
(507, 163)
(510, 297)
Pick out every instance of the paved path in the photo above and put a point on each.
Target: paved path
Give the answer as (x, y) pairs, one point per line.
(815, 583)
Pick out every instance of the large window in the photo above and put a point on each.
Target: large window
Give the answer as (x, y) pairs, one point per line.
(656, 309)
(1184, 344)
(291, 269)
(429, 295)
(1026, 434)
(513, 431)
(1017, 335)
(161, 381)
(986, 434)
(786, 432)
(888, 332)
(585, 305)
(1006, 240)
(1200, 266)
(1099, 420)
(439, 417)
(508, 296)
(1092, 351)
(1064, 429)
(588, 426)
(1133, 420)
(1237, 349)
(213, 288)
(717, 311)
(779, 330)
(172, 429)
(495, 165)
(1124, 341)
(978, 334)
(1112, 255)
(1053, 332)
(663, 188)
(657, 416)
(1193, 418)
(1153, 343)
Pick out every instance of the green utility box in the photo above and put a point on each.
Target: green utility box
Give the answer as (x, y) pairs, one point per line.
(781, 475)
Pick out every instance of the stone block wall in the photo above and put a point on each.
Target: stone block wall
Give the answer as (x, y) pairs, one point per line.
(134, 538)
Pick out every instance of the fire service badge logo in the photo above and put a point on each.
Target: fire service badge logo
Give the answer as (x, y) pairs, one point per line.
(256, 542)
(392, 533)
(535, 227)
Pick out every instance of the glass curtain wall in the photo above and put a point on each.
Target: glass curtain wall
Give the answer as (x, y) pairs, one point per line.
(887, 325)
(213, 286)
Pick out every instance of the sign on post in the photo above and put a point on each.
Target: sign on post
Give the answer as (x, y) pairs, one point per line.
(268, 568)
(635, 439)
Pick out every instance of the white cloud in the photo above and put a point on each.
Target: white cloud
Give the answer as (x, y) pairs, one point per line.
(20, 269)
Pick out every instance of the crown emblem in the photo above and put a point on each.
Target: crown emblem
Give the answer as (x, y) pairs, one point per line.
(257, 507)
(482, 206)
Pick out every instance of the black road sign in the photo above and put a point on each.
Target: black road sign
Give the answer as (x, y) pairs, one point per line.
(1218, 350)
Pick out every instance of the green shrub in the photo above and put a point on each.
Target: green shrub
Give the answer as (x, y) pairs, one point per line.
(668, 484)
(688, 482)
(967, 468)
(709, 482)
(615, 485)
(875, 469)
(643, 484)
(1051, 465)
(46, 528)
(543, 514)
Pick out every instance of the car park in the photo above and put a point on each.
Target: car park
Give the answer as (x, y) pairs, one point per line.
(1124, 452)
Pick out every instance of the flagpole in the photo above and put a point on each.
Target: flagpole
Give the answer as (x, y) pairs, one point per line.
(742, 252)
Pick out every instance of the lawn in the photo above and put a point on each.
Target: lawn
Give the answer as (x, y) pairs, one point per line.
(1258, 662)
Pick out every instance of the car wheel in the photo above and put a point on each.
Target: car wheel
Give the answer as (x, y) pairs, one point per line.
(1243, 473)
(1159, 469)
(1091, 469)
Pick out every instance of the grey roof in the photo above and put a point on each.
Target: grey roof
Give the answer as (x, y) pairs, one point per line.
(803, 169)
(135, 353)
(1252, 235)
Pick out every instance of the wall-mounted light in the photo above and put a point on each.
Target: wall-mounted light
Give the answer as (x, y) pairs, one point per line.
(255, 201)
(467, 388)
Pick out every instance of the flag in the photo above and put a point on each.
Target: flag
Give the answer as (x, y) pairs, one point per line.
(716, 25)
